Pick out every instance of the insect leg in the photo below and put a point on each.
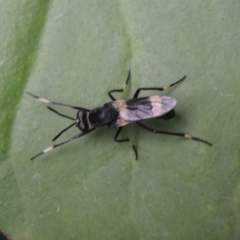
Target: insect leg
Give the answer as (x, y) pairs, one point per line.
(44, 100)
(59, 144)
(158, 88)
(185, 135)
(125, 140)
(119, 90)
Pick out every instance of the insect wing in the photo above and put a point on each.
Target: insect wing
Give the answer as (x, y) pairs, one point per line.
(143, 108)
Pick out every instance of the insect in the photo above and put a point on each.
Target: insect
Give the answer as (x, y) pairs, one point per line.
(119, 113)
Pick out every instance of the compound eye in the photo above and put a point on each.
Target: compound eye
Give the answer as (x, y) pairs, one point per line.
(81, 124)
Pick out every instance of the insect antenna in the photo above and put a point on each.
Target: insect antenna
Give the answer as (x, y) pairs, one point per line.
(60, 114)
(44, 100)
(65, 116)
(59, 144)
(64, 130)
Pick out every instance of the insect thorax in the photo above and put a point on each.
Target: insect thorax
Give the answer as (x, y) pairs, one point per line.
(105, 116)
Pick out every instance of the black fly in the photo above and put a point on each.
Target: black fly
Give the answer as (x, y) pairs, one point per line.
(119, 113)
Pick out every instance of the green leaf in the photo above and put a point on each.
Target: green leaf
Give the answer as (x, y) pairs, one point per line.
(92, 188)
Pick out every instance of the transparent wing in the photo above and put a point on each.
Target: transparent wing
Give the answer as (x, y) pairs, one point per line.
(143, 108)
